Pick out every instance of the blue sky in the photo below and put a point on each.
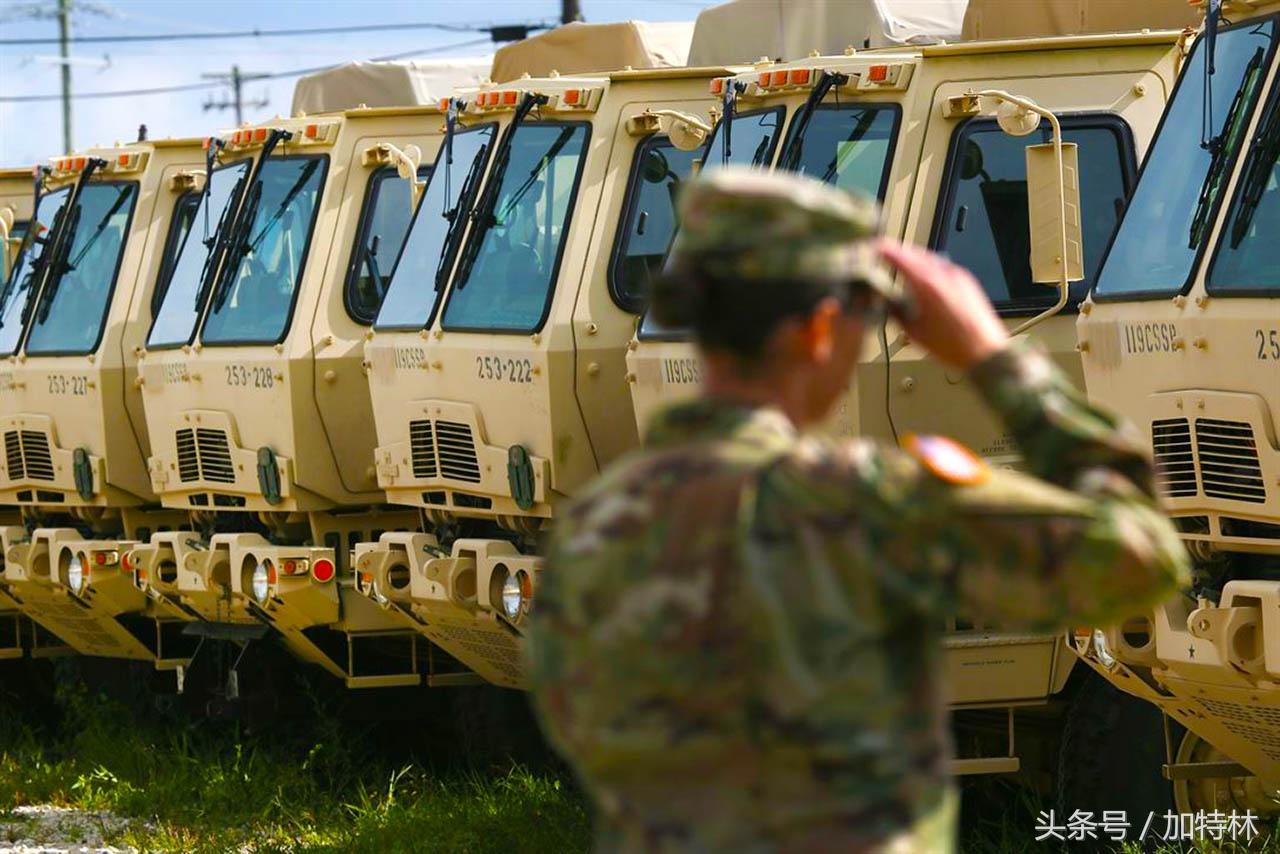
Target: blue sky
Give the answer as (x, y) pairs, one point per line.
(31, 132)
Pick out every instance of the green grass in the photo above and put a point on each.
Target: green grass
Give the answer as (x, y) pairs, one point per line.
(325, 783)
(189, 785)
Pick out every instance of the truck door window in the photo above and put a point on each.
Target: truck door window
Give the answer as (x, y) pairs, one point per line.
(184, 214)
(505, 280)
(648, 219)
(254, 299)
(70, 313)
(983, 223)
(175, 321)
(752, 140)
(1164, 227)
(1247, 259)
(17, 291)
(849, 146)
(385, 222)
(426, 255)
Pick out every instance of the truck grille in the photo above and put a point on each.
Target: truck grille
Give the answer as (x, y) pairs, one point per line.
(1175, 464)
(27, 455)
(204, 454)
(1226, 453)
(1229, 466)
(444, 448)
(422, 442)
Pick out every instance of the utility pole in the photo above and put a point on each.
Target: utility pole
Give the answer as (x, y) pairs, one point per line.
(236, 79)
(64, 47)
(570, 11)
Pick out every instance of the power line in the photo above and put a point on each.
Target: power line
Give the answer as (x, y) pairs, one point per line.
(256, 33)
(190, 87)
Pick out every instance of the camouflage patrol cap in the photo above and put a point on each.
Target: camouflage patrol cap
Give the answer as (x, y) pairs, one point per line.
(749, 224)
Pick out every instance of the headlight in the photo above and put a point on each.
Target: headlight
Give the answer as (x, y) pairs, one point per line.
(511, 597)
(262, 582)
(76, 574)
(1101, 650)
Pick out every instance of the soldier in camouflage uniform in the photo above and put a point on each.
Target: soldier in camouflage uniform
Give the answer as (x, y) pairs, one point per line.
(737, 640)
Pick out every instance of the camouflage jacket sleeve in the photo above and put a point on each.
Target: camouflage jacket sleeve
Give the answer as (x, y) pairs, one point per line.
(1078, 538)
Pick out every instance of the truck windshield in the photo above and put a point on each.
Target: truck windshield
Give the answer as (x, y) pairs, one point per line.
(176, 320)
(428, 251)
(1182, 180)
(751, 141)
(22, 279)
(1248, 259)
(507, 284)
(253, 300)
(72, 309)
(848, 146)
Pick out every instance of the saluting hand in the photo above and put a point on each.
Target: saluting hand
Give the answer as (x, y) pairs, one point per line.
(953, 319)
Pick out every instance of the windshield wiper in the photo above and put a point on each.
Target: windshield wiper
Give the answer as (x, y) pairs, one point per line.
(241, 223)
(371, 262)
(53, 261)
(454, 215)
(728, 106)
(220, 235)
(55, 277)
(235, 243)
(1263, 155)
(1222, 146)
(30, 237)
(790, 158)
(482, 214)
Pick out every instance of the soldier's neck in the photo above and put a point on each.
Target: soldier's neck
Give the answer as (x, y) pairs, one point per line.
(769, 389)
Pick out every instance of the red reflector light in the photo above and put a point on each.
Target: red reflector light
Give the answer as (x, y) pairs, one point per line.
(100, 558)
(323, 570)
(260, 135)
(799, 76)
(509, 98)
(571, 96)
(311, 132)
(126, 560)
(271, 573)
(717, 86)
(290, 567)
(878, 73)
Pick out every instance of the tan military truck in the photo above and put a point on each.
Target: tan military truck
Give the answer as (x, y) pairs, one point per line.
(496, 363)
(70, 416)
(16, 197)
(1182, 334)
(255, 395)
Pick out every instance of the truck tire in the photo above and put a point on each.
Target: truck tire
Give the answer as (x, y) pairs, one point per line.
(1111, 756)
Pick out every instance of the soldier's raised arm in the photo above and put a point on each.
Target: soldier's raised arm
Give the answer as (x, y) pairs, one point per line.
(1079, 537)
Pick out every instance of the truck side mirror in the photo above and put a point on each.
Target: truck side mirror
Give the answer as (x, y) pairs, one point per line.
(1046, 209)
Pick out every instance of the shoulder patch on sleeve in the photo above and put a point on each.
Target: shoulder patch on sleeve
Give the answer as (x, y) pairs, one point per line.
(947, 459)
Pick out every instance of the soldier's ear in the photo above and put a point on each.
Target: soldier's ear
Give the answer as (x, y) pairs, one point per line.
(819, 329)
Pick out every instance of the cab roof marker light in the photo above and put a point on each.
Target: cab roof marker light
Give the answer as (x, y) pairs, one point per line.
(260, 135)
(509, 98)
(716, 87)
(311, 131)
(878, 73)
(572, 96)
(800, 76)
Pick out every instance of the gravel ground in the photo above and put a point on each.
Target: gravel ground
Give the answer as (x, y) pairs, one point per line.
(57, 830)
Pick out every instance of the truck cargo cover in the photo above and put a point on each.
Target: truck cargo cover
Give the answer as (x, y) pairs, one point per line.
(1001, 19)
(577, 48)
(741, 31)
(385, 84)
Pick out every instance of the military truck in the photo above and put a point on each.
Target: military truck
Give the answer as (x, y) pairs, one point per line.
(1181, 333)
(496, 363)
(253, 387)
(16, 195)
(109, 220)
